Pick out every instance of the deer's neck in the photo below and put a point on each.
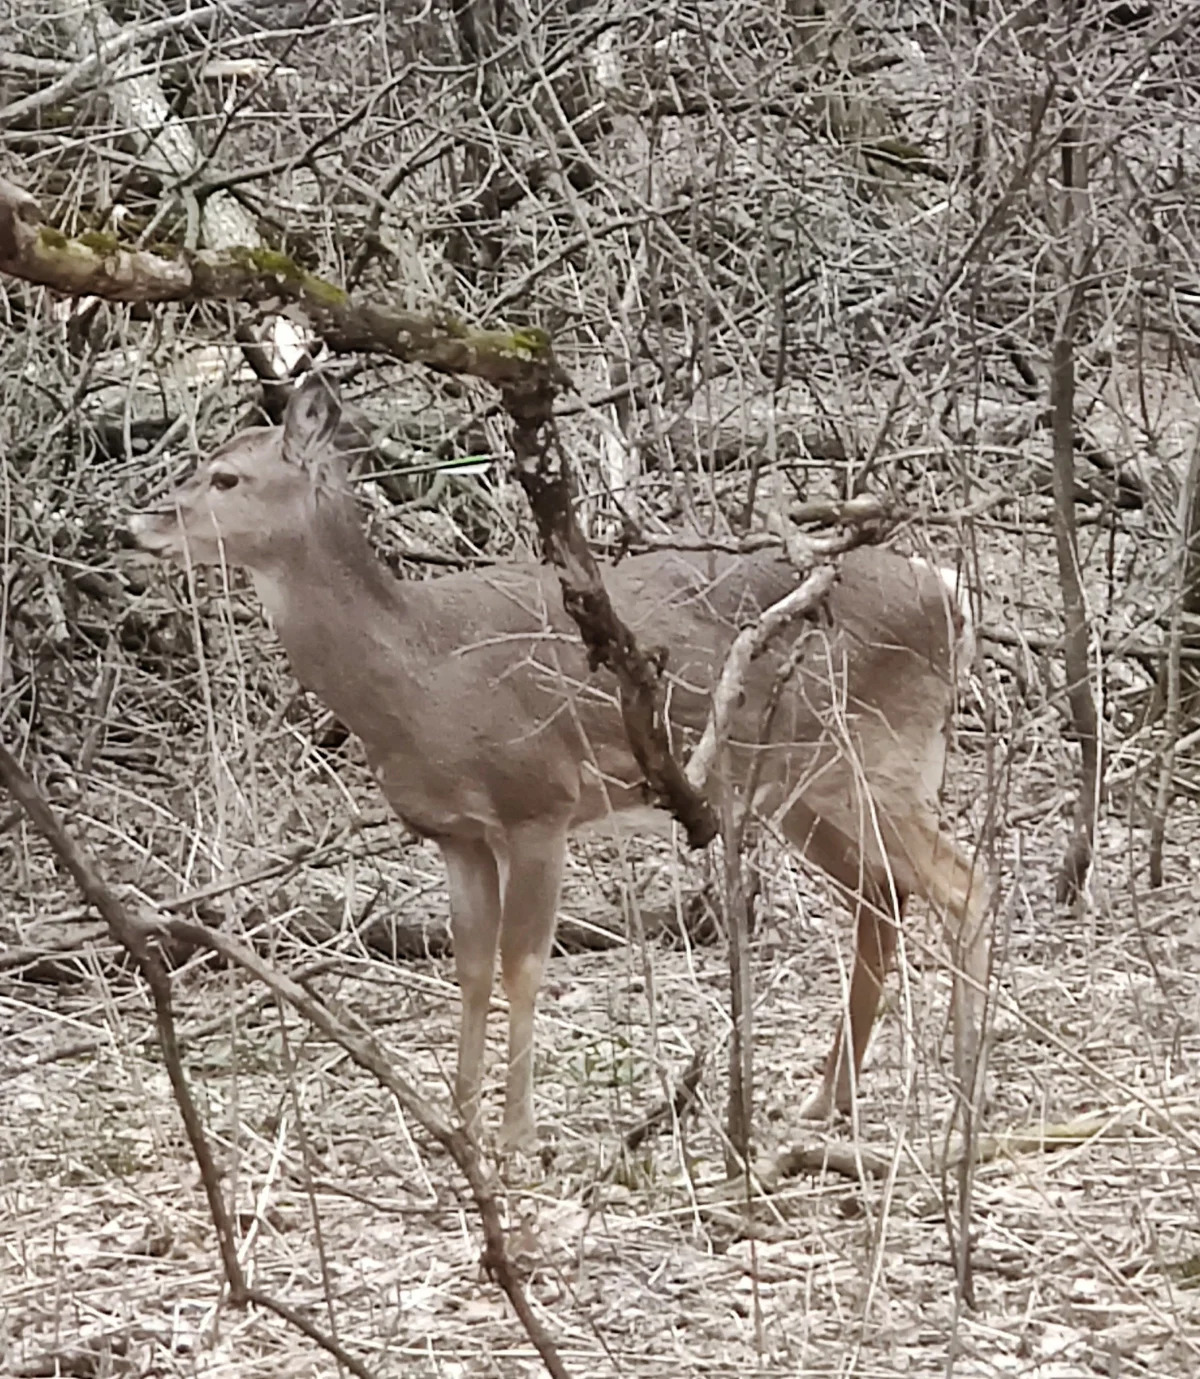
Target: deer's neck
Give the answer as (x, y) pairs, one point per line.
(350, 628)
(327, 573)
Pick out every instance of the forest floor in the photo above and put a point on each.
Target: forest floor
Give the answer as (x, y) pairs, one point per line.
(1086, 1253)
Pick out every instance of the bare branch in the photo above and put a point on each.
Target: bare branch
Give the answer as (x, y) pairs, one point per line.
(748, 644)
(138, 938)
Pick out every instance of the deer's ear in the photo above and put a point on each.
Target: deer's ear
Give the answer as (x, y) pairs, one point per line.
(310, 423)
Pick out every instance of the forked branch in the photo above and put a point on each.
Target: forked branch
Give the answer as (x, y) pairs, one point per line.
(748, 644)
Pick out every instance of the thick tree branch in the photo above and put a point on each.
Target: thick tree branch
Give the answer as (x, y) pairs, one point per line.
(521, 364)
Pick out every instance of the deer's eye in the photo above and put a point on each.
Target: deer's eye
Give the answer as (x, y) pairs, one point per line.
(223, 480)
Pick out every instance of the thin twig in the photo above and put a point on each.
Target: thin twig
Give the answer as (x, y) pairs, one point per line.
(139, 938)
(671, 1108)
(748, 644)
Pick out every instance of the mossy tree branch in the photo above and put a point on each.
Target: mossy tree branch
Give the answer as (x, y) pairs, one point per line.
(100, 265)
(520, 364)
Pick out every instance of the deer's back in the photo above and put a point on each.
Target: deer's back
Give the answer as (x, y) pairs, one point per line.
(501, 721)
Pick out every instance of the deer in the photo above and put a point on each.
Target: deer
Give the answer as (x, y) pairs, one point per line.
(488, 734)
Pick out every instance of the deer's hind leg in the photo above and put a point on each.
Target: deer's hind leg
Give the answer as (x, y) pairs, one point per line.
(877, 900)
(875, 935)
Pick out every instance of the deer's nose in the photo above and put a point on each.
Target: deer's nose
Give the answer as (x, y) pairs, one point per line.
(149, 527)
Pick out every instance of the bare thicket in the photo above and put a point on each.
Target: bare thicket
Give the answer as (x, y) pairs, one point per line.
(784, 264)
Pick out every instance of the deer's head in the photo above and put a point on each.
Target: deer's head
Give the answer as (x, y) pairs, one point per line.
(258, 495)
